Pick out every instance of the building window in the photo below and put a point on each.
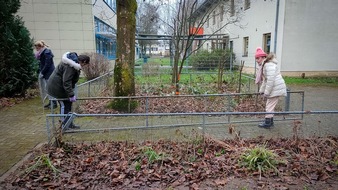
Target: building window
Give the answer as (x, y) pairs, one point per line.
(105, 39)
(221, 13)
(225, 42)
(96, 26)
(267, 42)
(111, 4)
(101, 27)
(245, 46)
(222, 43)
(246, 4)
(214, 18)
(232, 8)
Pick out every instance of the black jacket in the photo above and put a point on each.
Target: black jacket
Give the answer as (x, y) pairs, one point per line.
(62, 82)
(46, 65)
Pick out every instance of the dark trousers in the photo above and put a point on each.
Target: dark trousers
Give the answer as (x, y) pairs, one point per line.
(65, 108)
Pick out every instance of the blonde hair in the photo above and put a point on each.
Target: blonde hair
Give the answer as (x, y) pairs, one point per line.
(40, 43)
(269, 57)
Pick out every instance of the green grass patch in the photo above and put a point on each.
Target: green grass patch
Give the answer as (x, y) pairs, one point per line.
(82, 80)
(42, 161)
(323, 81)
(335, 160)
(260, 158)
(139, 62)
(163, 61)
(185, 78)
(152, 155)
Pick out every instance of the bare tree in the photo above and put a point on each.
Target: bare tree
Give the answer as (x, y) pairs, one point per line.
(191, 14)
(147, 23)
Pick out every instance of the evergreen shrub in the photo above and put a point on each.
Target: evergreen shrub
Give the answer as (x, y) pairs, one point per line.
(17, 62)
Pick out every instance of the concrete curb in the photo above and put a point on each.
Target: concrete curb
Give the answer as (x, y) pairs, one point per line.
(20, 163)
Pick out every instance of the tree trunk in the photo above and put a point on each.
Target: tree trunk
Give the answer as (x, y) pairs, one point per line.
(124, 82)
(176, 74)
(220, 74)
(221, 65)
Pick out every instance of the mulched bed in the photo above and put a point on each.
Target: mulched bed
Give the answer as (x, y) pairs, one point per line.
(200, 163)
(177, 104)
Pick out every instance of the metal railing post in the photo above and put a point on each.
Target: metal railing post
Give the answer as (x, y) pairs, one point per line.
(287, 100)
(229, 107)
(48, 130)
(302, 115)
(203, 125)
(147, 119)
(89, 89)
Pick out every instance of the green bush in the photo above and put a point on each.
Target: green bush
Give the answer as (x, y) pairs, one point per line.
(205, 60)
(17, 62)
(98, 66)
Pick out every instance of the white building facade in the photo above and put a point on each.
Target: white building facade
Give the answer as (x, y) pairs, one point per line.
(72, 25)
(302, 33)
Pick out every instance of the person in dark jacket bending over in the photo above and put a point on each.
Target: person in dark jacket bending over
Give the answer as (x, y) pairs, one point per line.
(62, 82)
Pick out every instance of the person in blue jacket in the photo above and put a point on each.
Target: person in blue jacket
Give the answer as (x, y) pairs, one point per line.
(46, 67)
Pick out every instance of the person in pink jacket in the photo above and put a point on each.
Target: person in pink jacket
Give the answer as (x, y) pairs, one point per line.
(272, 83)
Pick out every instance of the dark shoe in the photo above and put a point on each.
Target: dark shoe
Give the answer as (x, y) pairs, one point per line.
(73, 126)
(268, 122)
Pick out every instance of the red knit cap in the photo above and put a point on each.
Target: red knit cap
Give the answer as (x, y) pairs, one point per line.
(260, 53)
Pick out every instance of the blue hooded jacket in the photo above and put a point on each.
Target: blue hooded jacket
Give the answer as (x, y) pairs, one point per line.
(46, 65)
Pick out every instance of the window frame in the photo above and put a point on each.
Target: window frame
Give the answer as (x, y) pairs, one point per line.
(111, 4)
(267, 42)
(245, 46)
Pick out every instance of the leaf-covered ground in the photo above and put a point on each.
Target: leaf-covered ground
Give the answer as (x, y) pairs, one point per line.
(172, 104)
(200, 163)
(6, 102)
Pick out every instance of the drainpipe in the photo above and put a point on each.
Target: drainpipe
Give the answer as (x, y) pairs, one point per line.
(276, 27)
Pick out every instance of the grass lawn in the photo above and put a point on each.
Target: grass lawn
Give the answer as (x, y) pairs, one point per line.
(189, 75)
(313, 81)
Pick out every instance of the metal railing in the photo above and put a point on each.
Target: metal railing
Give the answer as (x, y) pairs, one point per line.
(156, 112)
(93, 87)
(205, 113)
